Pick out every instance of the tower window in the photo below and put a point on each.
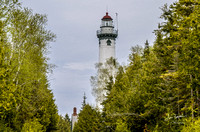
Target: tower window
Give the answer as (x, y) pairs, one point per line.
(108, 42)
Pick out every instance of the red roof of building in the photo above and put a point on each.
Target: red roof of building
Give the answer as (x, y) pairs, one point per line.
(106, 17)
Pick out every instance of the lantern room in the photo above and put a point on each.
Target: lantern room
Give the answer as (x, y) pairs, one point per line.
(106, 21)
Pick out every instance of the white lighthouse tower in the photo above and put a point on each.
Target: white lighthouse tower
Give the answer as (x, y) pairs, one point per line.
(107, 36)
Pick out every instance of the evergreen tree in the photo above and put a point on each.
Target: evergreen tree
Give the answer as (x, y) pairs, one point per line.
(64, 124)
(179, 34)
(89, 120)
(25, 95)
(84, 101)
(159, 92)
(121, 126)
(146, 49)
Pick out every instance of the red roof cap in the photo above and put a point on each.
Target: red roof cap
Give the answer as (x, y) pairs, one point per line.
(106, 17)
(74, 112)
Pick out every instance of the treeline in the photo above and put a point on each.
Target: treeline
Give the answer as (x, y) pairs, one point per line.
(26, 102)
(159, 89)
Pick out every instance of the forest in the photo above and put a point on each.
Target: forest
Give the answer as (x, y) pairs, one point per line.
(157, 91)
(26, 101)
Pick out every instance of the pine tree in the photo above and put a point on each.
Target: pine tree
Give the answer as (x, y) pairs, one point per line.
(146, 49)
(25, 94)
(64, 124)
(84, 101)
(89, 120)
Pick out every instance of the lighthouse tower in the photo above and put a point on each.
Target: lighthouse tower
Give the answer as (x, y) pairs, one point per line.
(107, 36)
(74, 118)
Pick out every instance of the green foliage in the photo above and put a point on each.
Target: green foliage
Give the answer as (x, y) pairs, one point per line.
(191, 125)
(4, 127)
(89, 120)
(67, 118)
(159, 88)
(121, 126)
(84, 101)
(146, 49)
(32, 126)
(24, 88)
(64, 124)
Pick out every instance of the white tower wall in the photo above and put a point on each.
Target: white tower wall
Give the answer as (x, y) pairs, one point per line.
(107, 35)
(106, 51)
(74, 120)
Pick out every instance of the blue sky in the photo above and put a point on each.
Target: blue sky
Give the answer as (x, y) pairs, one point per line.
(76, 48)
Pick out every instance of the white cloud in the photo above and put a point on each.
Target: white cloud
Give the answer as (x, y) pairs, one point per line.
(80, 66)
(75, 23)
